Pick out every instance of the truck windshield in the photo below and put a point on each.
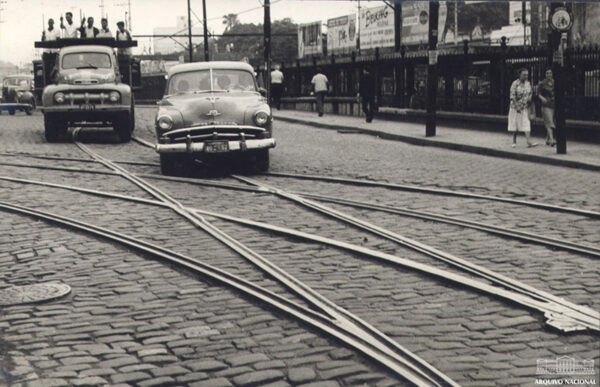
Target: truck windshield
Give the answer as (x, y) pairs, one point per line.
(217, 80)
(89, 60)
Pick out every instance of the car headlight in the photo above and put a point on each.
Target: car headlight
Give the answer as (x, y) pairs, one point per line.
(261, 118)
(113, 96)
(59, 97)
(164, 122)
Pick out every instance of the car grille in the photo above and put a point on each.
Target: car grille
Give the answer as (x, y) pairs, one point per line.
(93, 96)
(229, 133)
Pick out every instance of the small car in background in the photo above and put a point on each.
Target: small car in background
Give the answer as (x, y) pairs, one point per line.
(17, 94)
(211, 111)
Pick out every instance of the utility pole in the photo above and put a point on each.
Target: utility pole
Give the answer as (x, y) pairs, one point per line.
(267, 47)
(557, 44)
(206, 56)
(432, 80)
(191, 47)
(524, 21)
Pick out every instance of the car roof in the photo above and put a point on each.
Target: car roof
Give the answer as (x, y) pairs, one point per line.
(223, 65)
(19, 76)
(88, 48)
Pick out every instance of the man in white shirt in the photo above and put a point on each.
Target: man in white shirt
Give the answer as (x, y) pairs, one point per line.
(69, 30)
(50, 33)
(104, 31)
(123, 34)
(276, 86)
(320, 85)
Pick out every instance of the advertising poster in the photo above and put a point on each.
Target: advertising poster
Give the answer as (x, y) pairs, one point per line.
(376, 27)
(310, 41)
(341, 34)
(415, 22)
(475, 20)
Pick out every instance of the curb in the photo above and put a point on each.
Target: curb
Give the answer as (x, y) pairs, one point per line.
(447, 145)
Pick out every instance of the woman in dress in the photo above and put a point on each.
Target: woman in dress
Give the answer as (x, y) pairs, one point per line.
(520, 103)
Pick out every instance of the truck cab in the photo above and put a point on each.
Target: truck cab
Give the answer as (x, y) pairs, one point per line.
(86, 83)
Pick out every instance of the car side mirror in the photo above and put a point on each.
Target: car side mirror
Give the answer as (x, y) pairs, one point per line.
(262, 91)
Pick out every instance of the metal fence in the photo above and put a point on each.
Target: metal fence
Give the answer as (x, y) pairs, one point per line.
(470, 79)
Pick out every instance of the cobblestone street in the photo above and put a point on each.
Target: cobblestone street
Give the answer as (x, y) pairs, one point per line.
(131, 320)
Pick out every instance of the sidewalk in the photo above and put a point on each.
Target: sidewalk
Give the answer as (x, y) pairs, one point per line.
(579, 154)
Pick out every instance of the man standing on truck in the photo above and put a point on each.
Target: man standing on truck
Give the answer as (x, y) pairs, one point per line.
(123, 34)
(51, 33)
(90, 31)
(104, 31)
(69, 30)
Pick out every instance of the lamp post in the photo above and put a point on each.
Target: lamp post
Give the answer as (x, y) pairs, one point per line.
(432, 69)
(267, 48)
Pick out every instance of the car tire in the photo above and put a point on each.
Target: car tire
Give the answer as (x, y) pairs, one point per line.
(132, 114)
(123, 126)
(55, 128)
(11, 112)
(259, 161)
(173, 164)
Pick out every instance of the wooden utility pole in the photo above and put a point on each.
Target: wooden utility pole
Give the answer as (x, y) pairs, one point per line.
(206, 55)
(190, 46)
(432, 69)
(267, 48)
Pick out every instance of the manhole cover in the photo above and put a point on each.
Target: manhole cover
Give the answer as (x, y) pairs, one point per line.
(32, 293)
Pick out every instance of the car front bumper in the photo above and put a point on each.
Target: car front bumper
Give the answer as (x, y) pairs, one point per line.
(201, 147)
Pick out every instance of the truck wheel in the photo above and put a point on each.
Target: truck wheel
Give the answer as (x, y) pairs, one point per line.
(173, 164)
(123, 126)
(55, 128)
(132, 115)
(259, 161)
(11, 111)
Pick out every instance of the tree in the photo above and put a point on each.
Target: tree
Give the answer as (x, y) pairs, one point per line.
(230, 20)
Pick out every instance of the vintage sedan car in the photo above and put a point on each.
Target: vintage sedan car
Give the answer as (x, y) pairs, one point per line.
(17, 94)
(213, 110)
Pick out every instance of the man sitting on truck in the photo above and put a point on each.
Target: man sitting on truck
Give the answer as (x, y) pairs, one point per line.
(90, 31)
(69, 30)
(104, 31)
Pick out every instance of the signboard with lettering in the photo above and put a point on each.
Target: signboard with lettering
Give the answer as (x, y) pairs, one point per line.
(310, 41)
(415, 21)
(376, 27)
(341, 34)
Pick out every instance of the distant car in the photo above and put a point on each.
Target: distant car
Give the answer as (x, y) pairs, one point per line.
(17, 94)
(212, 110)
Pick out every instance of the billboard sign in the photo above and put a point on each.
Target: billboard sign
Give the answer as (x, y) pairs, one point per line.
(376, 27)
(310, 40)
(341, 34)
(415, 21)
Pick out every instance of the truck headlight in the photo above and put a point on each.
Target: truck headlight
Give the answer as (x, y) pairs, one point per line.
(114, 96)
(59, 97)
(261, 118)
(165, 122)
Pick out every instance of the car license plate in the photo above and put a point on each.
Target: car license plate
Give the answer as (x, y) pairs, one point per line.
(216, 147)
(87, 107)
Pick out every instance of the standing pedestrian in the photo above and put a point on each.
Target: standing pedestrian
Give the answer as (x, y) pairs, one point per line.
(276, 86)
(546, 95)
(520, 105)
(366, 93)
(320, 85)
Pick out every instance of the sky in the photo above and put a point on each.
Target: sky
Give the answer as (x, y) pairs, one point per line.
(21, 20)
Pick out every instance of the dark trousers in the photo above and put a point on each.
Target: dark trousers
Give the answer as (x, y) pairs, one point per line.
(276, 93)
(320, 98)
(368, 105)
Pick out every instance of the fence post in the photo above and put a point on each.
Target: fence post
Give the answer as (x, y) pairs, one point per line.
(503, 96)
(400, 85)
(466, 64)
(298, 78)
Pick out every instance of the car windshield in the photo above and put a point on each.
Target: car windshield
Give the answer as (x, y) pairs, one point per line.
(22, 82)
(215, 80)
(90, 60)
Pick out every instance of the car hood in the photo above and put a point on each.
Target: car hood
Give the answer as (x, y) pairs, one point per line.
(87, 76)
(206, 108)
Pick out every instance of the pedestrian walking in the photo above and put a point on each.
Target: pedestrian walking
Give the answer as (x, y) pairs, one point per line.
(545, 91)
(366, 93)
(520, 108)
(320, 85)
(276, 86)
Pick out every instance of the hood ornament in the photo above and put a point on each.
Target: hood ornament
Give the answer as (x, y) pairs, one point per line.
(213, 113)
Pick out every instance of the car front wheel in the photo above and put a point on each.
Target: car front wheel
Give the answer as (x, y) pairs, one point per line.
(173, 164)
(123, 126)
(259, 161)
